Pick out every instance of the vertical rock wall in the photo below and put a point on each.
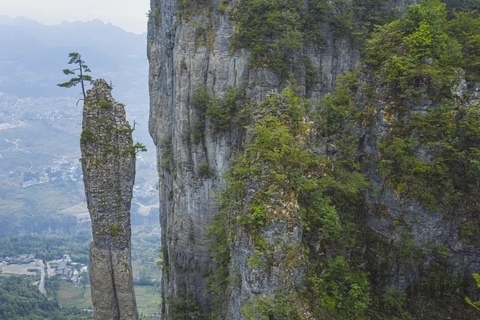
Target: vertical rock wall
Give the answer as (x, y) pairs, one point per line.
(187, 54)
(108, 164)
(181, 63)
(179, 66)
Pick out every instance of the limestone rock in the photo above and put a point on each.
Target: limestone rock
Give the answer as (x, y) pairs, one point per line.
(180, 64)
(108, 164)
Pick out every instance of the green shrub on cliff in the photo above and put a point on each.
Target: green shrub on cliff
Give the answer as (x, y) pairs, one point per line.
(464, 27)
(271, 29)
(420, 59)
(428, 151)
(281, 162)
(415, 55)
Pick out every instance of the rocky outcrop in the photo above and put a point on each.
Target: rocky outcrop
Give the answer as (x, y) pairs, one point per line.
(108, 164)
(192, 58)
(191, 50)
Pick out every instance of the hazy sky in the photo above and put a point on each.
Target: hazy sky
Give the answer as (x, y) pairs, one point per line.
(127, 14)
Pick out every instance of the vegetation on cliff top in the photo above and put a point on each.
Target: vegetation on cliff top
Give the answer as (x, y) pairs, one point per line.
(422, 59)
(427, 150)
(429, 154)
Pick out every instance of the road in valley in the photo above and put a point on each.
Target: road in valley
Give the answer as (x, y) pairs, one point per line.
(41, 285)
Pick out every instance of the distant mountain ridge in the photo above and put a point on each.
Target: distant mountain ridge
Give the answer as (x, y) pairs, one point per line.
(34, 54)
(41, 189)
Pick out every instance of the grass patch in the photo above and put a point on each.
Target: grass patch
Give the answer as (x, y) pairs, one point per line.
(71, 295)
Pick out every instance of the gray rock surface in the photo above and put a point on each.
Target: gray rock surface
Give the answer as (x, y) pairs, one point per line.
(397, 218)
(180, 64)
(108, 164)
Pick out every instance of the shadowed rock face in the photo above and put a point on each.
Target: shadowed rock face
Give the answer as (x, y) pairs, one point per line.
(180, 65)
(108, 164)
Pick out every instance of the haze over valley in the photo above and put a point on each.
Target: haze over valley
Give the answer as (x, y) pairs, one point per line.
(43, 211)
(40, 123)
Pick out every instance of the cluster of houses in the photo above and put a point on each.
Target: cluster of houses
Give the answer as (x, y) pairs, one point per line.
(63, 268)
(68, 270)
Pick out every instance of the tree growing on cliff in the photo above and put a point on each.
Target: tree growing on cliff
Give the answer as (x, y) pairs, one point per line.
(79, 73)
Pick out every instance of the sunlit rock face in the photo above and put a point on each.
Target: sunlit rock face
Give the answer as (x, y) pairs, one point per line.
(108, 163)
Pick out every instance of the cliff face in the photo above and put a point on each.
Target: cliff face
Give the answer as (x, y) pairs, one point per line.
(186, 55)
(108, 164)
(281, 227)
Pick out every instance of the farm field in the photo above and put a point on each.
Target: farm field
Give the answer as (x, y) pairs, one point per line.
(71, 295)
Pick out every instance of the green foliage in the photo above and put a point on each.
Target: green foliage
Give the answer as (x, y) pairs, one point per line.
(47, 247)
(255, 261)
(155, 15)
(464, 28)
(223, 6)
(79, 73)
(427, 154)
(280, 157)
(420, 56)
(336, 113)
(136, 148)
(275, 155)
(430, 155)
(202, 99)
(431, 12)
(276, 31)
(184, 307)
(439, 283)
(87, 136)
(415, 55)
(139, 147)
(464, 5)
(167, 161)
(219, 112)
(22, 300)
(258, 216)
(449, 177)
(320, 215)
(333, 207)
(342, 291)
(219, 280)
(270, 29)
(104, 104)
(204, 170)
(475, 304)
(284, 306)
(187, 8)
(114, 229)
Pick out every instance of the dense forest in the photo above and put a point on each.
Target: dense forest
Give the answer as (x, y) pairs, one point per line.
(47, 247)
(21, 300)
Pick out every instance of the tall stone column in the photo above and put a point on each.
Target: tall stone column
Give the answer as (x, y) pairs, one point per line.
(108, 164)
